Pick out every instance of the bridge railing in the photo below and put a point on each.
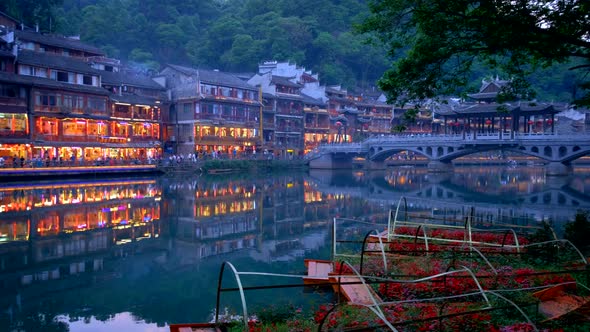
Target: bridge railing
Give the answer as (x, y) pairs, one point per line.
(340, 147)
(433, 139)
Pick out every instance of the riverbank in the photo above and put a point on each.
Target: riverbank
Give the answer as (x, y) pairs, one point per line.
(224, 166)
(213, 166)
(217, 167)
(20, 174)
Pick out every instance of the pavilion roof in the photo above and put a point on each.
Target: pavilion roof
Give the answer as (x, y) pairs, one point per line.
(495, 109)
(284, 81)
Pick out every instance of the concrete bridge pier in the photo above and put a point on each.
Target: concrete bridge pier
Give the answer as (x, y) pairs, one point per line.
(435, 166)
(329, 161)
(375, 165)
(556, 168)
(439, 177)
(557, 182)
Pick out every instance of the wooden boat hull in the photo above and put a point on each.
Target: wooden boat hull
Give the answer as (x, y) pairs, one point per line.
(197, 327)
(557, 302)
(318, 271)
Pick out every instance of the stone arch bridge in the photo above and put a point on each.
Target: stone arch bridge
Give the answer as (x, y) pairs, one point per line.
(557, 151)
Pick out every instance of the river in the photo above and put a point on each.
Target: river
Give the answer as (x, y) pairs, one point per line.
(137, 254)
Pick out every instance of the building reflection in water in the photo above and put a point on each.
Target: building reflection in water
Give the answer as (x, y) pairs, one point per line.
(51, 223)
(142, 236)
(497, 194)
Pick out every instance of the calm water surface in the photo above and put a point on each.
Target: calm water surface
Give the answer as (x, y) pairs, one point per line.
(137, 254)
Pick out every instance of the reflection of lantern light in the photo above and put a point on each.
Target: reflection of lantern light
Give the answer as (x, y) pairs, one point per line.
(488, 122)
(338, 124)
(549, 121)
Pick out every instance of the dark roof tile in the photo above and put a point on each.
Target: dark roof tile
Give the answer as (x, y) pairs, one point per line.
(281, 80)
(122, 78)
(134, 99)
(57, 41)
(47, 83)
(214, 77)
(308, 100)
(55, 62)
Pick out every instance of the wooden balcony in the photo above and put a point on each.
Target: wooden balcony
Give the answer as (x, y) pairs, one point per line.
(225, 139)
(320, 126)
(292, 112)
(13, 103)
(12, 134)
(125, 115)
(297, 129)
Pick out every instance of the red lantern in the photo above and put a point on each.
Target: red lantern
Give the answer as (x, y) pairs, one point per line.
(549, 121)
(530, 122)
(338, 124)
(488, 122)
(366, 126)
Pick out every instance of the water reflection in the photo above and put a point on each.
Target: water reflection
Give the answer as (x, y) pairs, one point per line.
(147, 251)
(523, 193)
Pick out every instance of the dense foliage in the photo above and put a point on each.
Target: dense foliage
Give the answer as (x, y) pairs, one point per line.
(235, 35)
(436, 42)
(228, 35)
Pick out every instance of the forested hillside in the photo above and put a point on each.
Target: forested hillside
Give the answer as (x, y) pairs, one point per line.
(235, 35)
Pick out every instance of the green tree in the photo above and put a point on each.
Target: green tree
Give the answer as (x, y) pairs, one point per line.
(243, 53)
(578, 231)
(435, 42)
(33, 12)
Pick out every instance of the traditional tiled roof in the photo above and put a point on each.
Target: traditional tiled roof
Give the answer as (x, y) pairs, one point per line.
(57, 41)
(537, 107)
(122, 78)
(284, 81)
(133, 99)
(7, 17)
(289, 96)
(307, 77)
(47, 83)
(342, 100)
(350, 110)
(375, 103)
(489, 89)
(55, 62)
(267, 95)
(339, 117)
(308, 100)
(330, 89)
(494, 108)
(6, 53)
(213, 77)
(492, 85)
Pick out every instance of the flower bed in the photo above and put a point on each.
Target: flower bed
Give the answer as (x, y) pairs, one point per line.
(438, 280)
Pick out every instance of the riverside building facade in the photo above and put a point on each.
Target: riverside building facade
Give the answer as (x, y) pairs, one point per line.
(63, 101)
(212, 112)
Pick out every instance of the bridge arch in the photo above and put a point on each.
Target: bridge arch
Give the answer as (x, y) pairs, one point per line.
(548, 152)
(576, 155)
(554, 149)
(386, 153)
(562, 151)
